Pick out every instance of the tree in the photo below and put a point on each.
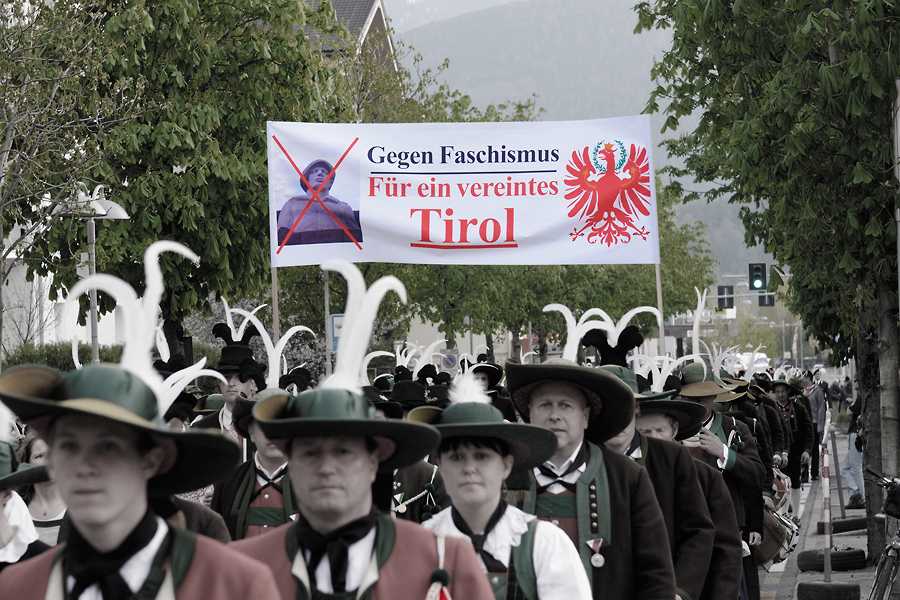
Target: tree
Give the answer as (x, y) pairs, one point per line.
(191, 165)
(57, 107)
(795, 103)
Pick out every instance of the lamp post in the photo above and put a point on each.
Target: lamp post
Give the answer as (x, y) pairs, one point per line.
(89, 208)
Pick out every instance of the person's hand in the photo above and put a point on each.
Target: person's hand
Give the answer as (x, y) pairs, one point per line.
(711, 443)
(769, 503)
(207, 497)
(755, 539)
(804, 458)
(784, 460)
(776, 460)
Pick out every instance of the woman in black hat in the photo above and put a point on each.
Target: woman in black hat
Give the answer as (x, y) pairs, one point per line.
(522, 557)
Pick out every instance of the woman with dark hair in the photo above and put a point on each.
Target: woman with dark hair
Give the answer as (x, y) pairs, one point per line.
(521, 556)
(44, 502)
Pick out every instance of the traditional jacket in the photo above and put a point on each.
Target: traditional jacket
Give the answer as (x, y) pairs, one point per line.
(690, 529)
(232, 500)
(743, 470)
(615, 508)
(195, 567)
(723, 579)
(409, 482)
(405, 557)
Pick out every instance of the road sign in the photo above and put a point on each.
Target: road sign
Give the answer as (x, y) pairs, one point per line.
(450, 360)
(337, 323)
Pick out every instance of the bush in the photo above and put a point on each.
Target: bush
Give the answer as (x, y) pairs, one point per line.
(842, 417)
(59, 355)
(212, 354)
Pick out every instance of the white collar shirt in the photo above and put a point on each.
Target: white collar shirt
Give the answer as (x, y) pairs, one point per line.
(359, 555)
(543, 481)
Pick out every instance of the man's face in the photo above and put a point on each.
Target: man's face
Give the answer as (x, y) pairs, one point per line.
(780, 393)
(235, 387)
(99, 470)
(316, 177)
(332, 477)
(482, 378)
(266, 448)
(562, 408)
(657, 425)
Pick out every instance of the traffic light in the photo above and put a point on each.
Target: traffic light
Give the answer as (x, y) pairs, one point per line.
(757, 276)
(726, 296)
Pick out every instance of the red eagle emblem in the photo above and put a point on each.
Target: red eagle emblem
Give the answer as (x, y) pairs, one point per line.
(611, 203)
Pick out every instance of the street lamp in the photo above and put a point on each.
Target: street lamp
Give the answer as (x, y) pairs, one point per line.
(89, 208)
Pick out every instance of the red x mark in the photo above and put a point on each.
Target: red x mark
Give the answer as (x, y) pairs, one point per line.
(315, 194)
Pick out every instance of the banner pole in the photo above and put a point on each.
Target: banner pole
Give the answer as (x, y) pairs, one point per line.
(328, 341)
(659, 306)
(276, 315)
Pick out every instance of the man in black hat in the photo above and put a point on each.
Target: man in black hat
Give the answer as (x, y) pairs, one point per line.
(257, 495)
(109, 451)
(490, 374)
(244, 376)
(601, 499)
(674, 477)
(798, 428)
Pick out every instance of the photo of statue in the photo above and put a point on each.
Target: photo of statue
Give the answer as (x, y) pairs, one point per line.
(326, 219)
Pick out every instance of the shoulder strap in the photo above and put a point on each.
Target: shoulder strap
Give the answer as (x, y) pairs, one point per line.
(183, 545)
(523, 561)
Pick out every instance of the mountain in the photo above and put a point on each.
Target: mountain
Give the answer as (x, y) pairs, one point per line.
(582, 59)
(408, 14)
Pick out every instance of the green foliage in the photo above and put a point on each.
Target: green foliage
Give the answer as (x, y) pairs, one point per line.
(191, 166)
(795, 121)
(59, 355)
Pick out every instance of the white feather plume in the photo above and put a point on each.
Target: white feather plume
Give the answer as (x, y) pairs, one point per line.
(273, 351)
(614, 329)
(75, 358)
(139, 315)
(364, 369)
(695, 332)
(359, 317)
(468, 389)
(426, 356)
(751, 368)
(176, 382)
(162, 346)
(7, 424)
(659, 368)
(574, 332)
(405, 356)
(237, 334)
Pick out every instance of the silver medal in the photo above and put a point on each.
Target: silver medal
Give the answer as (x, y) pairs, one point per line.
(401, 509)
(598, 561)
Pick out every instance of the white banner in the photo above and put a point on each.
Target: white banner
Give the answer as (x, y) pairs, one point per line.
(573, 192)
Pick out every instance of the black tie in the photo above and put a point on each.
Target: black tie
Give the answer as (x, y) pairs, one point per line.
(579, 460)
(88, 566)
(270, 482)
(336, 544)
(492, 564)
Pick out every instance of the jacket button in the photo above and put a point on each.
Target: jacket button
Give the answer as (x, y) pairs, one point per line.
(593, 505)
(593, 496)
(266, 496)
(593, 515)
(592, 487)
(594, 526)
(555, 522)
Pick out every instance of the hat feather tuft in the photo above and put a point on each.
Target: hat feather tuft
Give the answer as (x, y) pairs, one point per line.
(274, 352)
(468, 389)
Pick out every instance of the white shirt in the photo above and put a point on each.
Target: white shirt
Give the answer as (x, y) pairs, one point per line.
(135, 570)
(557, 566)
(359, 555)
(542, 480)
(723, 460)
(24, 533)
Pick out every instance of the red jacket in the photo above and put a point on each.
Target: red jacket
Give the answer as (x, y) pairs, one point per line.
(406, 555)
(215, 572)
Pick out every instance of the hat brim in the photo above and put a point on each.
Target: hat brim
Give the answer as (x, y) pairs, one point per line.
(25, 475)
(530, 445)
(690, 415)
(194, 458)
(616, 400)
(430, 415)
(400, 443)
(493, 371)
(702, 389)
(792, 389)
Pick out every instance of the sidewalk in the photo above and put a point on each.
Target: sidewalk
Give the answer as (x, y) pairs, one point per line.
(781, 582)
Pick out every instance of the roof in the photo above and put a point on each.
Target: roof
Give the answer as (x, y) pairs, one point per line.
(354, 14)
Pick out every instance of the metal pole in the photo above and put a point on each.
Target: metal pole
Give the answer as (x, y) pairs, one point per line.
(530, 345)
(659, 306)
(92, 269)
(837, 473)
(276, 314)
(328, 341)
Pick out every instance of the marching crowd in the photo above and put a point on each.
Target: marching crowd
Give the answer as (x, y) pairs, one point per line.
(533, 481)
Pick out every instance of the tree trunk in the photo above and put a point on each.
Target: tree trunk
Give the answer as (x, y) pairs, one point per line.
(173, 332)
(888, 373)
(489, 342)
(868, 373)
(515, 347)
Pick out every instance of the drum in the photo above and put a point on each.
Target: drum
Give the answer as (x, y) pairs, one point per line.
(781, 489)
(779, 539)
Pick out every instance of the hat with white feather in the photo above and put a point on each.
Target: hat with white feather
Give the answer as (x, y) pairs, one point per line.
(610, 399)
(338, 407)
(131, 393)
(471, 414)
